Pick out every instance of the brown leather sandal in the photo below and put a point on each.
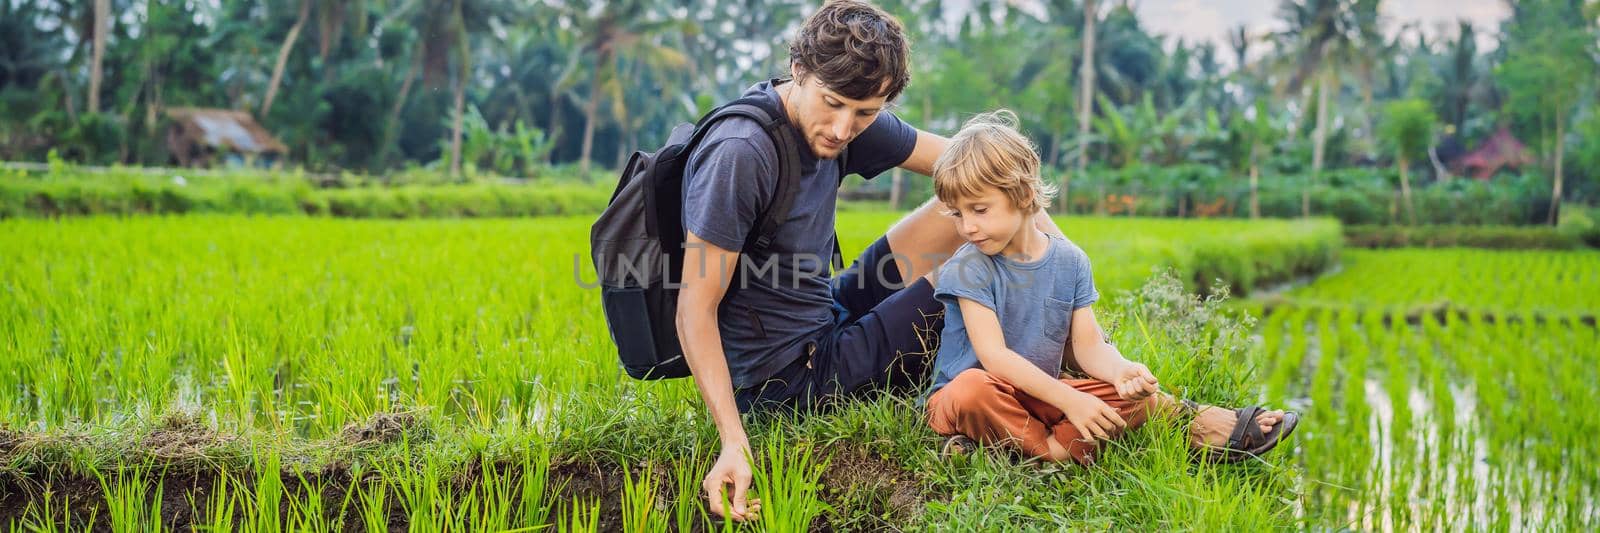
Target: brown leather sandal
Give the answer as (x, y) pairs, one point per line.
(1247, 440)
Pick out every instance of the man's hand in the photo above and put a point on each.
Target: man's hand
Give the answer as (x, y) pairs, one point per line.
(732, 468)
(1134, 382)
(1092, 416)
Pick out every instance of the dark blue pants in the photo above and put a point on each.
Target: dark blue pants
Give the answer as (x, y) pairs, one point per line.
(884, 338)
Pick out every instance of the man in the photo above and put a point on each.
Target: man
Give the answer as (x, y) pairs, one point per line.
(792, 337)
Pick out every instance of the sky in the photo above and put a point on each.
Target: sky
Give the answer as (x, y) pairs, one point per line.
(1210, 20)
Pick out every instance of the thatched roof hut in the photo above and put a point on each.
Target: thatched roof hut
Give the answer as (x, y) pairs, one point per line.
(1501, 150)
(206, 137)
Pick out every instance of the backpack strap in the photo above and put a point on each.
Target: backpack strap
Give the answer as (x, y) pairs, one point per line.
(786, 140)
(838, 254)
(776, 124)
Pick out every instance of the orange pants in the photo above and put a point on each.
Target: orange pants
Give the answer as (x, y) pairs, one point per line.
(992, 411)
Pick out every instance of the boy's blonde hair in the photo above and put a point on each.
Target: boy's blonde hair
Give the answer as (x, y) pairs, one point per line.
(990, 152)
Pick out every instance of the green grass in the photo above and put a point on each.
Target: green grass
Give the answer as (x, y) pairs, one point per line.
(264, 353)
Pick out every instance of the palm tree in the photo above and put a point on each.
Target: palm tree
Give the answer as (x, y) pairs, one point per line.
(1368, 50)
(446, 35)
(283, 56)
(27, 53)
(1459, 75)
(1239, 41)
(102, 24)
(626, 27)
(1408, 128)
(1248, 136)
(1086, 73)
(463, 70)
(1320, 39)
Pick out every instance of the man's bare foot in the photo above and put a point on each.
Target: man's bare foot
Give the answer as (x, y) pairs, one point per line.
(1213, 425)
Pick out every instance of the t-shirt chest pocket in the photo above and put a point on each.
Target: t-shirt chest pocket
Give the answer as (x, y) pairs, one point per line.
(1057, 318)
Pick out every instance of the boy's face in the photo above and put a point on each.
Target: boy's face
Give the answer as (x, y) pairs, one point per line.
(827, 119)
(988, 221)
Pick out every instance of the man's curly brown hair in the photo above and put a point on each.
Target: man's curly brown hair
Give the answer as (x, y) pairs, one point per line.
(855, 49)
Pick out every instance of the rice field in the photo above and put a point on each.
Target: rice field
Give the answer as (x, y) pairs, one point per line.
(312, 373)
(1473, 418)
(303, 325)
(232, 373)
(1501, 282)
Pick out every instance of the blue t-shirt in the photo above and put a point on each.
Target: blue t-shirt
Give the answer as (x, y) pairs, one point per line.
(786, 300)
(1033, 300)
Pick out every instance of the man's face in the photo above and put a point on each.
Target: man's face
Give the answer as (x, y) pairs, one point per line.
(829, 120)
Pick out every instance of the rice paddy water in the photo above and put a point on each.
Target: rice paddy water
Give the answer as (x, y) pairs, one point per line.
(1447, 389)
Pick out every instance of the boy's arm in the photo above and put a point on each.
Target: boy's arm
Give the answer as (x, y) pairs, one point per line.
(1089, 414)
(1102, 361)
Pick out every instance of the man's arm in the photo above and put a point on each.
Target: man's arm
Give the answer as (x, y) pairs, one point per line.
(707, 271)
(1046, 224)
(928, 149)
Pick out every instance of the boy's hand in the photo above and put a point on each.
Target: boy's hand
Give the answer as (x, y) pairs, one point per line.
(1134, 382)
(1092, 416)
(732, 468)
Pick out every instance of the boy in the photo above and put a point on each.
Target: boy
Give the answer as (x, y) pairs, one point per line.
(1014, 296)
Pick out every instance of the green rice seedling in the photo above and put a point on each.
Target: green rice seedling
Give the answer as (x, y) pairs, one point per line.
(1546, 282)
(786, 481)
(1462, 401)
(1324, 405)
(459, 512)
(534, 487)
(1294, 356)
(1356, 444)
(375, 507)
(418, 485)
(220, 511)
(494, 507)
(268, 492)
(45, 516)
(1273, 331)
(582, 517)
(306, 510)
(639, 507)
(129, 507)
(687, 512)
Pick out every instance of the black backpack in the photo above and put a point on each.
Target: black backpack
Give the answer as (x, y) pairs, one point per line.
(637, 243)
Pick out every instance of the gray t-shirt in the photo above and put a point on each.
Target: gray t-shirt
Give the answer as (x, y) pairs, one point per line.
(784, 301)
(1033, 300)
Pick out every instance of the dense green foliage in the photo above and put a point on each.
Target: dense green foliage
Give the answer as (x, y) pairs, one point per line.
(1354, 196)
(381, 84)
(70, 192)
(1506, 237)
